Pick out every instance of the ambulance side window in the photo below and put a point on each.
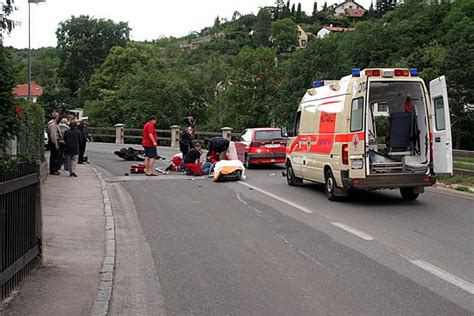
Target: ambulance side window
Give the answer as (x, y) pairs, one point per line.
(440, 119)
(357, 114)
(296, 130)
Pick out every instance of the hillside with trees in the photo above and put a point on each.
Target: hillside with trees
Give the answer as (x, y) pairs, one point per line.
(245, 71)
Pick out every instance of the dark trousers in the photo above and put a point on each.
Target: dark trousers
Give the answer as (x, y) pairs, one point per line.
(54, 159)
(82, 150)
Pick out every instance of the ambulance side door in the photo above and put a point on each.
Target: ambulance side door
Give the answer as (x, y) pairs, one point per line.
(442, 141)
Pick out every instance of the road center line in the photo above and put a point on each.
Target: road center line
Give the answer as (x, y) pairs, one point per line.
(273, 196)
(446, 276)
(353, 231)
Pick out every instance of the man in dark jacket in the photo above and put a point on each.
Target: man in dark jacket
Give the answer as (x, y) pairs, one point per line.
(82, 127)
(218, 146)
(73, 139)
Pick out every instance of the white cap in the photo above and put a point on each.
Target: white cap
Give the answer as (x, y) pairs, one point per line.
(85, 118)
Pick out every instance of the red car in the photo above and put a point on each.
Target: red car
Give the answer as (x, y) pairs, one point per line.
(264, 145)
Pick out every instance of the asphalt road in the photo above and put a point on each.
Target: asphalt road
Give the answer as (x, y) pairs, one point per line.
(190, 246)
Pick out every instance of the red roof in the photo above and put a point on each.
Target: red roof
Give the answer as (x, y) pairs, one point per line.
(21, 90)
(338, 29)
(357, 13)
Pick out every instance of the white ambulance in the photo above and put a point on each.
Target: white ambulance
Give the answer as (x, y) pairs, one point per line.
(373, 129)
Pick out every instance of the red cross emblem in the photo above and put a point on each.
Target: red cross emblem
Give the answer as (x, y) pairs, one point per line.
(355, 140)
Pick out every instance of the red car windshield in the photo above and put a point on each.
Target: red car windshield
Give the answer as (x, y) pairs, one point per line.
(268, 135)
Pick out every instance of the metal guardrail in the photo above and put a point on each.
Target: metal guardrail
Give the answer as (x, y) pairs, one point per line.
(463, 153)
(20, 225)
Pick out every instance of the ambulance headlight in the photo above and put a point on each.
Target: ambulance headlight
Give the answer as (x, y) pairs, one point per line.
(355, 72)
(414, 72)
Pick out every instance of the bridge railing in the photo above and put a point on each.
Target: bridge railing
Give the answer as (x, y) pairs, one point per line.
(166, 137)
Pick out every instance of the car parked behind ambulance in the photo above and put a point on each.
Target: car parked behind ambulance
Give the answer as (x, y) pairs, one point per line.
(373, 129)
(264, 145)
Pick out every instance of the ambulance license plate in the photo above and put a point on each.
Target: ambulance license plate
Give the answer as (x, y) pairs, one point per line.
(357, 164)
(272, 145)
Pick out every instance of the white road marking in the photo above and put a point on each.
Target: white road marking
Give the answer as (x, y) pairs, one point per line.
(446, 276)
(288, 202)
(353, 231)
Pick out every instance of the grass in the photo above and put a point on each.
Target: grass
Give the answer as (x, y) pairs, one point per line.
(460, 180)
(464, 159)
(464, 189)
(463, 165)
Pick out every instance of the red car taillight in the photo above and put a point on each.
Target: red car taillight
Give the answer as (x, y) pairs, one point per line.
(345, 154)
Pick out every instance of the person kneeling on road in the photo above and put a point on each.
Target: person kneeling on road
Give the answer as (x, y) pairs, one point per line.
(192, 163)
(218, 145)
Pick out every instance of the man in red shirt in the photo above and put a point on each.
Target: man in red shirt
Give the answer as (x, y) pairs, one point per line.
(149, 143)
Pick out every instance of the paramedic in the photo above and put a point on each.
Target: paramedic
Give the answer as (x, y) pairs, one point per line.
(192, 163)
(149, 143)
(218, 145)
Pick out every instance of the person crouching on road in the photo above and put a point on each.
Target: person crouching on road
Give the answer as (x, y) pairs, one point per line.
(72, 142)
(149, 143)
(192, 163)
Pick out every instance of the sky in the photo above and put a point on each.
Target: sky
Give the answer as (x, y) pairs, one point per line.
(148, 19)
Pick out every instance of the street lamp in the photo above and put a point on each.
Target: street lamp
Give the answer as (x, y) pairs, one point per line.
(29, 45)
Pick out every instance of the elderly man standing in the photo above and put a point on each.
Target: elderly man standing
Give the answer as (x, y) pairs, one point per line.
(82, 127)
(53, 143)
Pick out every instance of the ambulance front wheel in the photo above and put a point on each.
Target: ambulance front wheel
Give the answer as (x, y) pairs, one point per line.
(290, 176)
(330, 186)
(409, 194)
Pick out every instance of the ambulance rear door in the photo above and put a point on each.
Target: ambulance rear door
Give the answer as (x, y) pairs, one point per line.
(356, 136)
(442, 141)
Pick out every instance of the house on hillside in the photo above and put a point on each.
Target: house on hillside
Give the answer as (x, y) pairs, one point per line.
(325, 30)
(21, 91)
(349, 8)
(302, 38)
(302, 42)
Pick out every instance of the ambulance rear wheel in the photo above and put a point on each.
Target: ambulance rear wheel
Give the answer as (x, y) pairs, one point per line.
(330, 186)
(290, 176)
(408, 194)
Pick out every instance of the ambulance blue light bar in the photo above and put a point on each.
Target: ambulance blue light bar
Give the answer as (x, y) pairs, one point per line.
(355, 72)
(414, 72)
(317, 84)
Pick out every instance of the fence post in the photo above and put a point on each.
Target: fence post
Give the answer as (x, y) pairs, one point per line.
(119, 133)
(226, 132)
(175, 136)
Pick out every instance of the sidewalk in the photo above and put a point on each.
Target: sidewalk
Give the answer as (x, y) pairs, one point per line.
(73, 249)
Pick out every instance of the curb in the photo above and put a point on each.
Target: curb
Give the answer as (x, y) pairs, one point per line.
(102, 302)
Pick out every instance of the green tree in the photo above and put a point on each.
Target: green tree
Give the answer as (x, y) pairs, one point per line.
(285, 34)
(251, 88)
(384, 6)
(83, 45)
(9, 119)
(299, 14)
(105, 106)
(263, 28)
(315, 10)
(7, 24)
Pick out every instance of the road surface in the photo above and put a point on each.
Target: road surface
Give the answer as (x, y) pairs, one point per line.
(186, 245)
